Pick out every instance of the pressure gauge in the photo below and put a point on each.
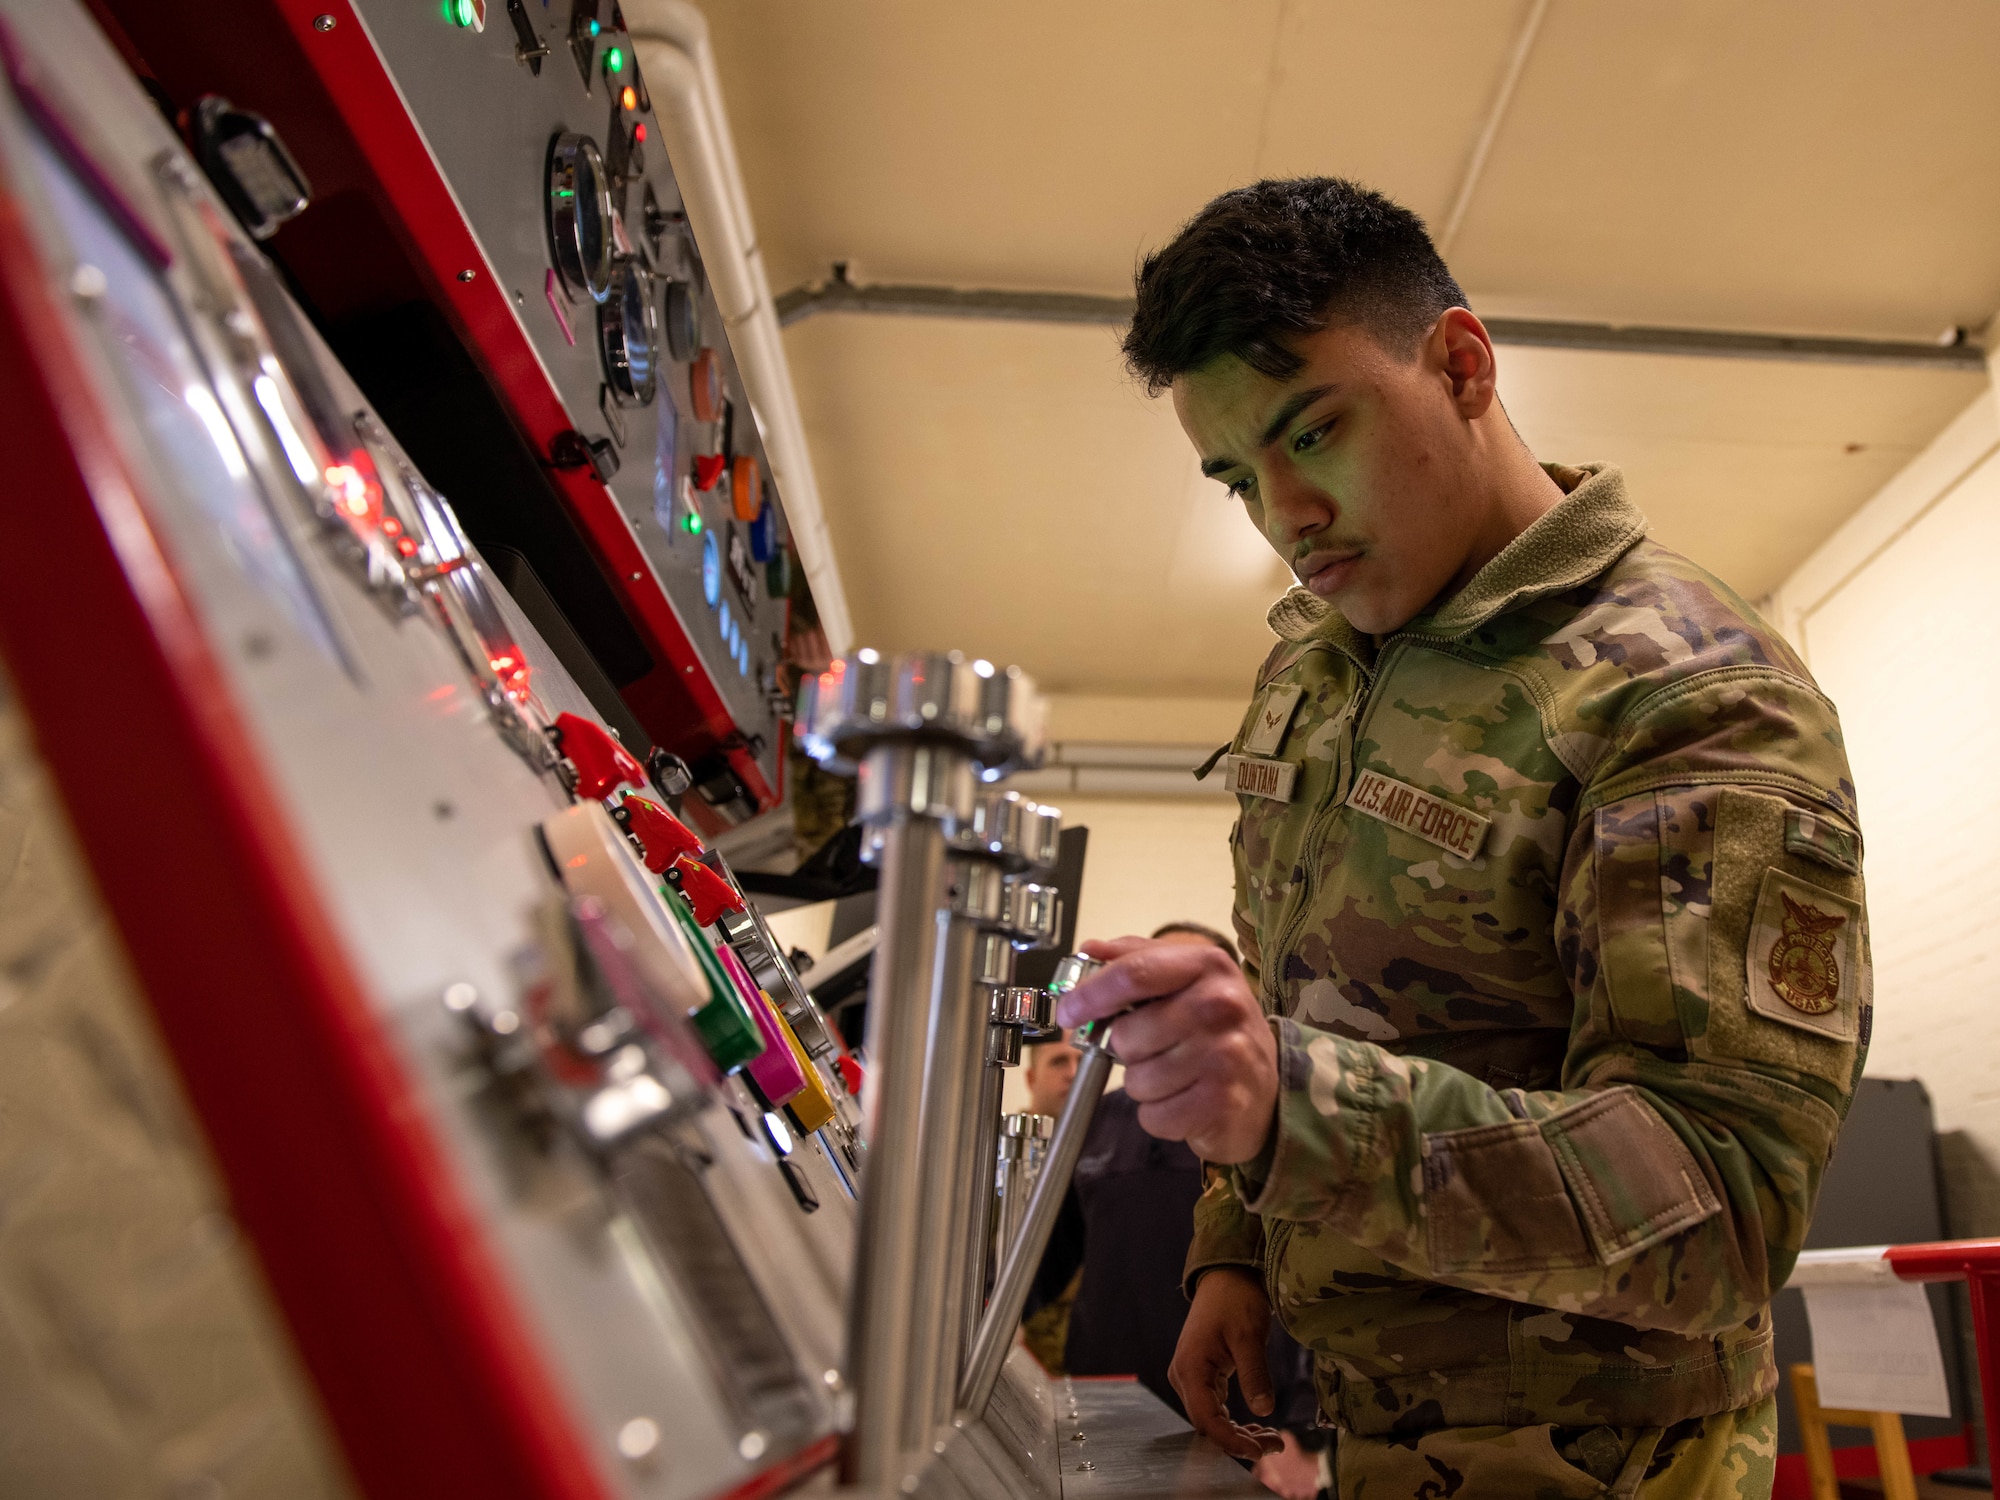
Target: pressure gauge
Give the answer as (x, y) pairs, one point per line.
(628, 329)
(580, 216)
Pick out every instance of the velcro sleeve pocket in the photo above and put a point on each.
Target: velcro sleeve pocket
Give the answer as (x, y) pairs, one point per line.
(1495, 1200)
(1632, 1180)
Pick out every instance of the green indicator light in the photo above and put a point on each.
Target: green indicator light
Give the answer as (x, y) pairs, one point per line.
(693, 523)
(461, 12)
(565, 192)
(614, 60)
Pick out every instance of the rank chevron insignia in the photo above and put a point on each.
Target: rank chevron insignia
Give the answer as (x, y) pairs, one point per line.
(1804, 971)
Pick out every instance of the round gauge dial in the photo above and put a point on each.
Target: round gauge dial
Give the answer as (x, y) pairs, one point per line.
(628, 330)
(680, 319)
(580, 216)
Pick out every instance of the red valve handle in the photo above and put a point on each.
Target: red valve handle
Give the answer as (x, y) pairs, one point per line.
(850, 1073)
(663, 837)
(707, 892)
(708, 469)
(601, 762)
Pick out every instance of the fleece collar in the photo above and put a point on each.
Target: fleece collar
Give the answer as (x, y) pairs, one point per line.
(1574, 541)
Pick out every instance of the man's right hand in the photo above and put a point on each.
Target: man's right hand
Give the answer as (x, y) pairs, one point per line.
(1225, 1334)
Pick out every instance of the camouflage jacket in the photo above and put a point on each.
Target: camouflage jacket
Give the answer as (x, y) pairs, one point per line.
(1561, 931)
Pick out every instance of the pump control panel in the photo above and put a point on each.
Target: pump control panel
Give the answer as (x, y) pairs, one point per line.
(480, 218)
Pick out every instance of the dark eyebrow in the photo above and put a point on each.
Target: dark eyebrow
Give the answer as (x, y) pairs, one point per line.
(1294, 404)
(1297, 402)
(1279, 423)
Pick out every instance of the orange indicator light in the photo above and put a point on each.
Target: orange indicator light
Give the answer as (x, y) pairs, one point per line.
(630, 98)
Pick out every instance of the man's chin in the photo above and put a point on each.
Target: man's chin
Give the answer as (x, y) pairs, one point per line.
(1371, 615)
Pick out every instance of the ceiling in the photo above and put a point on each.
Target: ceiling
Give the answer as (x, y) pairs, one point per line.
(1004, 487)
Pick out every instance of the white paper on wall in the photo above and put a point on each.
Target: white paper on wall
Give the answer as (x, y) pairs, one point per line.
(1875, 1348)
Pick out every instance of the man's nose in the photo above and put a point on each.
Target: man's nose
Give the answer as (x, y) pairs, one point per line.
(1294, 508)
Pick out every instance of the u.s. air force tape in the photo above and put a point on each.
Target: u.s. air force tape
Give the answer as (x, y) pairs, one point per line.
(1251, 777)
(1451, 828)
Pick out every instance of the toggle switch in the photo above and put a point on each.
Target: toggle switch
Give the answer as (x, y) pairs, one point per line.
(709, 469)
(708, 894)
(601, 762)
(663, 837)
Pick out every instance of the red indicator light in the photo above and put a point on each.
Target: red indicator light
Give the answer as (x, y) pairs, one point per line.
(511, 669)
(639, 133)
(356, 495)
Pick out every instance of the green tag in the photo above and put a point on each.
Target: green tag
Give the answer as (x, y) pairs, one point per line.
(725, 1025)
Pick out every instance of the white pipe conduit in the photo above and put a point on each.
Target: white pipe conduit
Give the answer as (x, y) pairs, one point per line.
(670, 43)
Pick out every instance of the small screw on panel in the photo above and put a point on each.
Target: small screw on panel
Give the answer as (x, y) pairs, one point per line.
(87, 283)
(467, 275)
(324, 23)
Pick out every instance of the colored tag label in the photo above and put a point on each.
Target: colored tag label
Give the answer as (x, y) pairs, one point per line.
(1252, 777)
(1274, 717)
(1452, 828)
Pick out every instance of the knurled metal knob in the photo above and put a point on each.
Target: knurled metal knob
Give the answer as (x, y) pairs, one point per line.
(1071, 971)
(1031, 912)
(993, 712)
(1006, 826)
(978, 891)
(1025, 1006)
(1041, 836)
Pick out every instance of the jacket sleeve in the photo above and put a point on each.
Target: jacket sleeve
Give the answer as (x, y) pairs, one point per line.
(1225, 1232)
(1711, 924)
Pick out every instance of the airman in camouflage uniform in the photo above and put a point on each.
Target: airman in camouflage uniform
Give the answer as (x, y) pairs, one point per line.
(1554, 1107)
(1548, 884)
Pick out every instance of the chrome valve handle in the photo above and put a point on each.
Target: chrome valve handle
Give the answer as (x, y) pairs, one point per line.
(926, 732)
(992, 713)
(1024, 1252)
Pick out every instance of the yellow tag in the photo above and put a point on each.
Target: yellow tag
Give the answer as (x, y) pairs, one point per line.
(1452, 828)
(1274, 717)
(1251, 777)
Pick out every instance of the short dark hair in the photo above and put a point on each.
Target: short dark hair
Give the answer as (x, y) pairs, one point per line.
(1262, 264)
(1195, 929)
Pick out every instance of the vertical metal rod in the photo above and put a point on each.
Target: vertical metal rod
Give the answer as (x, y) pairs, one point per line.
(957, 1044)
(910, 900)
(981, 1197)
(1024, 1255)
(1015, 1178)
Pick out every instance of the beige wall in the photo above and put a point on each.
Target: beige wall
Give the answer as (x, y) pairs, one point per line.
(1895, 616)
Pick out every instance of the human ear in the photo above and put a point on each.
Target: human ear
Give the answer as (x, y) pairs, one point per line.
(1460, 345)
